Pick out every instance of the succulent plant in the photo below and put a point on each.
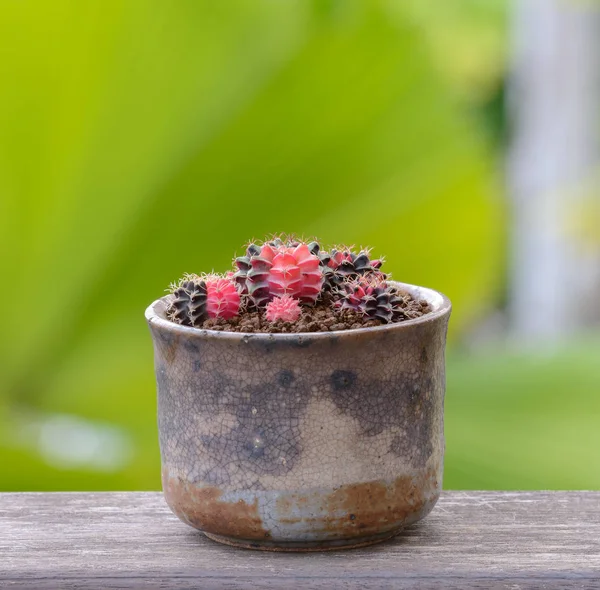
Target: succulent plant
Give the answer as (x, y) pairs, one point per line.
(196, 298)
(189, 304)
(323, 256)
(343, 265)
(279, 268)
(294, 271)
(283, 242)
(244, 264)
(222, 297)
(283, 308)
(373, 298)
(277, 278)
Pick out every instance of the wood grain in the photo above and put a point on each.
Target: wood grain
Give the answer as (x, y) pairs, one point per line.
(131, 540)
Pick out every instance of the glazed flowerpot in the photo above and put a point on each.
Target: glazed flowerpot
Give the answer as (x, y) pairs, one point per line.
(302, 441)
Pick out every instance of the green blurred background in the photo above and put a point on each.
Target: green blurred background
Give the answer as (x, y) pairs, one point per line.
(143, 139)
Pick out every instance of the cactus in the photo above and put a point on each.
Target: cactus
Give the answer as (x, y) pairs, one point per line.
(244, 264)
(276, 278)
(283, 308)
(222, 297)
(283, 242)
(374, 298)
(279, 268)
(323, 256)
(196, 298)
(189, 304)
(294, 271)
(343, 265)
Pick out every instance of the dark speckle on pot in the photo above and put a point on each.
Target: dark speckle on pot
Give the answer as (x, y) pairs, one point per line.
(343, 379)
(285, 378)
(190, 345)
(162, 379)
(166, 336)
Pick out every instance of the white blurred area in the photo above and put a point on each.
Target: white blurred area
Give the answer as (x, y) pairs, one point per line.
(66, 441)
(554, 169)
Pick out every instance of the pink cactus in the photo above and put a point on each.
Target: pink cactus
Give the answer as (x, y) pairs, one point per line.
(283, 308)
(223, 299)
(280, 269)
(294, 271)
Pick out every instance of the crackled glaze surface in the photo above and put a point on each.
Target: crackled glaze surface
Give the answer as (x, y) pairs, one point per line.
(302, 440)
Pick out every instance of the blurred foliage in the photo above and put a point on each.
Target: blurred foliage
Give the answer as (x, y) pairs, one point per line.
(467, 41)
(142, 139)
(524, 419)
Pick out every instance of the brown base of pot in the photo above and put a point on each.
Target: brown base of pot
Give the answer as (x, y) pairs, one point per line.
(304, 547)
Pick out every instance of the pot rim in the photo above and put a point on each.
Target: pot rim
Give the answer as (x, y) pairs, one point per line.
(441, 304)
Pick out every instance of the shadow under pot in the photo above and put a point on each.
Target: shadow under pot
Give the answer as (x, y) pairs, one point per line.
(308, 441)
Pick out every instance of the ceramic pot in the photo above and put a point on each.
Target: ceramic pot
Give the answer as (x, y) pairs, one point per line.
(302, 441)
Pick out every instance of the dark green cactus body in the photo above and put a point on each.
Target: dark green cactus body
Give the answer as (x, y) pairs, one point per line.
(375, 301)
(257, 281)
(189, 304)
(343, 266)
(244, 264)
(382, 306)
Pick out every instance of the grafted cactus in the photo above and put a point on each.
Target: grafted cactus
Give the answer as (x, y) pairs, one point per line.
(279, 269)
(188, 307)
(222, 297)
(373, 298)
(343, 265)
(244, 264)
(280, 279)
(197, 298)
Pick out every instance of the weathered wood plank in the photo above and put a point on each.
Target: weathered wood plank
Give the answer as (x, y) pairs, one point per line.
(131, 540)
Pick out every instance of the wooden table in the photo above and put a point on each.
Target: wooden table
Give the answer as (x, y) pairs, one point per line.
(131, 540)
